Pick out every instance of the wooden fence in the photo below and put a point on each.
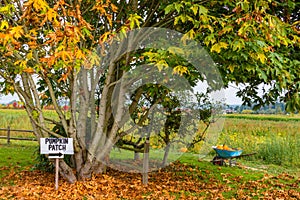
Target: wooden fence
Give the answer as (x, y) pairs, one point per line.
(8, 136)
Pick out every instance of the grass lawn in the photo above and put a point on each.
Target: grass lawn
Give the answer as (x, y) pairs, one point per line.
(18, 155)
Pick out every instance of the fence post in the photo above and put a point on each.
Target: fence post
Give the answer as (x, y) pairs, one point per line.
(8, 135)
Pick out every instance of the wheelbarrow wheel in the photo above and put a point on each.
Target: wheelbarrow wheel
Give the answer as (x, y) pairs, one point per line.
(217, 160)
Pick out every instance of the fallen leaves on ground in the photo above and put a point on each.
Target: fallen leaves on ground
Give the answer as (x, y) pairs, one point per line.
(177, 181)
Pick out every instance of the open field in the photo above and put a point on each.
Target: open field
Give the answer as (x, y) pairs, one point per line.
(274, 141)
(290, 117)
(18, 119)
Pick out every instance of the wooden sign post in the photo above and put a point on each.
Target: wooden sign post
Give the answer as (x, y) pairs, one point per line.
(146, 161)
(56, 148)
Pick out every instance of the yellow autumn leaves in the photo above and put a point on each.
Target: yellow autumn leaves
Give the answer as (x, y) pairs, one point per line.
(161, 63)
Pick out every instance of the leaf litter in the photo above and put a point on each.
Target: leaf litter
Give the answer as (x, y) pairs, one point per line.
(177, 181)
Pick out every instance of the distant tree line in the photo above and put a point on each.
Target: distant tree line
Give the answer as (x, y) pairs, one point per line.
(277, 108)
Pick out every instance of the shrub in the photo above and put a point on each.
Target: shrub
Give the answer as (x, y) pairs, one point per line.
(43, 162)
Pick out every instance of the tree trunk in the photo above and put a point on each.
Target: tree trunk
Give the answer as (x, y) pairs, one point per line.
(66, 172)
(136, 156)
(166, 155)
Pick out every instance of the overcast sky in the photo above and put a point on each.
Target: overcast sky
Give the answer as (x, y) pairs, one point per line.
(231, 98)
(8, 98)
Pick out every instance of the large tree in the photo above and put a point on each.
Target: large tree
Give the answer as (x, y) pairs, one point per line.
(49, 50)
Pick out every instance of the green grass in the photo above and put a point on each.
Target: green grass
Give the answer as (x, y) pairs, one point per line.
(269, 117)
(18, 155)
(204, 162)
(256, 167)
(275, 142)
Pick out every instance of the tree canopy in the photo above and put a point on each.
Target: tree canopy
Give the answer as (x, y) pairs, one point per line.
(49, 50)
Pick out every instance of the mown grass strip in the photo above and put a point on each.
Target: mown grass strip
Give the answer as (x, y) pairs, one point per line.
(264, 117)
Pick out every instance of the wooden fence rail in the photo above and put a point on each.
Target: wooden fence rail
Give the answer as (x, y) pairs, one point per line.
(8, 136)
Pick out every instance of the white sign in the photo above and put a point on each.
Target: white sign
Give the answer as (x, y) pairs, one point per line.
(56, 147)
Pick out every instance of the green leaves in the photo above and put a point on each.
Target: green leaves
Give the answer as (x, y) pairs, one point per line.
(210, 40)
(244, 5)
(169, 8)
(176, 50)
(261, 57)
(178, 6)
(293, 103)
(203, 10)
(161, 64)
(218, 46)
(251, 44)
(237, 45)
(199, 9)
(134, 20)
